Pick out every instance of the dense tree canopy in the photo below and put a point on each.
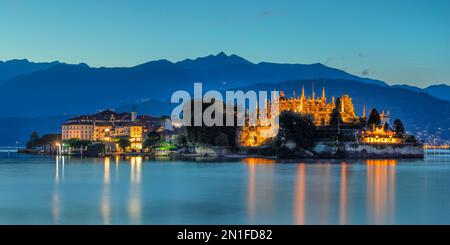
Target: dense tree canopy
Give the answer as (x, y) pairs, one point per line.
(374, 118)
(45, 140)
(33, 141)
(124, 143)
(212, 135)
(336, 117)
(398, 127)
(297, 128)
(77, 143)
(153, 139)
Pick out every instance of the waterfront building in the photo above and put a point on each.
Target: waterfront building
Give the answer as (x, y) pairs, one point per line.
(132, 131)
(380, 135)
(78, 130)
(102, 131)
(108, 126)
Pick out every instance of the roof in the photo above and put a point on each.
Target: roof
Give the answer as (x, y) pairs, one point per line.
(103, 118)
(128, 124)
(78, 123)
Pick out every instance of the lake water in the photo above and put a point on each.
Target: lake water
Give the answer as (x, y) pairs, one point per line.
(62, 190)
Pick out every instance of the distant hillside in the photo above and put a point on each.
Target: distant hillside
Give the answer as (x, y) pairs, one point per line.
(439, 91)
(18, 130)
(413, 88)
(13, 68)
(75, 89)
(148, 107)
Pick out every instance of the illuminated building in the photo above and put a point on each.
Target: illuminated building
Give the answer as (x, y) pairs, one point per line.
(102, 131)
(107, 126)
(379, 135)
(81, 130)
(132, 131)
(317, 107)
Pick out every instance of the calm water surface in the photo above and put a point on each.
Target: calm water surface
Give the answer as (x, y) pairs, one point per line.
(50, 190)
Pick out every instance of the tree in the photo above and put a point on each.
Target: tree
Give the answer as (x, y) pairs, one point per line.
(153, 138)
(362, 121)
(386, 126)
(49, 139)
(374, 117)
(124, 143)
(180, 140)
(164, 117)
(297, 128)
(33, 141)
(206, 135)
(398, 127)
(336, 117)
(221, 140)
(77, 143)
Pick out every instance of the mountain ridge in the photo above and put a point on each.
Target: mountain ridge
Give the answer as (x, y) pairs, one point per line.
(79, 88)
(16, 67)
(440, 91)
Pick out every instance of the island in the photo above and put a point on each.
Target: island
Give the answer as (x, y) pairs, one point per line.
(309, 127)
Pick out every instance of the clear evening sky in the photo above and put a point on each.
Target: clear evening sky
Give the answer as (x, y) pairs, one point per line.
(401, 41)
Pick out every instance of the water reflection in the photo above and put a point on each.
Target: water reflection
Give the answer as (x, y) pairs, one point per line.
(265, 185)
(251, 192)
(325, 199)
(343, 195)
(56, 202)
(57, 170)
(117, 167)
(258, 160)
(105, 207)
(134, 201)
(325, 192)
(332, 203)
(381, 191)
(300, 195)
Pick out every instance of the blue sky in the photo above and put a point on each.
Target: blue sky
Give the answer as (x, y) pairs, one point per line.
(401, 41)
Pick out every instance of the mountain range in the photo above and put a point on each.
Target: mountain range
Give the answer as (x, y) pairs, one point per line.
(54, 90)
(65, 88)
(440, 91)
(14, 68)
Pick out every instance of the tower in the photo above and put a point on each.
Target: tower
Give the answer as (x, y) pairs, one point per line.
(364, 112)
(303, 91)
(301, 105)
(313, 92)
(133, 114)
(384, 117)
(323, 94)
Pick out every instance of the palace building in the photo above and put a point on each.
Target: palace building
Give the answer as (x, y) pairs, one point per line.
(318, 107)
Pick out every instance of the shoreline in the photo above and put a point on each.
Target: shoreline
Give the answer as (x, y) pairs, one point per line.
(228, 157)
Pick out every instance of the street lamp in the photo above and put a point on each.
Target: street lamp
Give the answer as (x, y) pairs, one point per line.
(59, 148)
